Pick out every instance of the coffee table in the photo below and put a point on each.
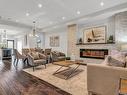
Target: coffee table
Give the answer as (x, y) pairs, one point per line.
(68, 64)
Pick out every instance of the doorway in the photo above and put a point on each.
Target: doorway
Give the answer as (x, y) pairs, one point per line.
(10, 44)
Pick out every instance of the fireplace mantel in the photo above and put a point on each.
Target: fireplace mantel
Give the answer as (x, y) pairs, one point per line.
(93, 43)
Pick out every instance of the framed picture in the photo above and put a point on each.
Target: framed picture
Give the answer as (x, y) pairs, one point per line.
(54, 41)
(95, 35)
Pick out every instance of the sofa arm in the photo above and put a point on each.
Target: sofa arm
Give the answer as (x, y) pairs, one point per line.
(30, 59)
(103, 79)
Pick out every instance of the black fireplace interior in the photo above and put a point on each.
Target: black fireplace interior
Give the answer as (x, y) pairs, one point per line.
(93, 53)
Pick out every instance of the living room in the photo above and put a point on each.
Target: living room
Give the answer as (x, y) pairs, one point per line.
(50, 48)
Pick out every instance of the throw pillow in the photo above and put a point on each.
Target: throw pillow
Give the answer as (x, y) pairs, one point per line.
(118, 55)
(114, 62)
(35, 55)
(57, 53)
(105, 62)
(42, 56)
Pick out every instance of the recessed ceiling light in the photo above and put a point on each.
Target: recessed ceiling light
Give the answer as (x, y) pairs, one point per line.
(63, 18)
(27, 14)
(9, 18)
(39, 5)
(102, 3)
(78, 12)
(50, 22)
(54, 27)
(17, 20)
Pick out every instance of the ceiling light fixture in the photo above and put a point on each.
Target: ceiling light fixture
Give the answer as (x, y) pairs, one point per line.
(63, 18)
(102, 3)
(78, 12)
(27, 14)
(54, 27)
(50, 22)
(39, 5)
(17, 20)
(34, 30)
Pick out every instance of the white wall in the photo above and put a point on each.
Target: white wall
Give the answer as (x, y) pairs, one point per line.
(62, 33)
(32, 42)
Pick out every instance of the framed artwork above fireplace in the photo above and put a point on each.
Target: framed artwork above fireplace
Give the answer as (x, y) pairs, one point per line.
(95, 35)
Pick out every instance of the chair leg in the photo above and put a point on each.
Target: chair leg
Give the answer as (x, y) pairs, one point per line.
(14, 62)
(33, 68)
(17, 62)
(45, 66)
(89, 93)
(24, 61)
(27, 62)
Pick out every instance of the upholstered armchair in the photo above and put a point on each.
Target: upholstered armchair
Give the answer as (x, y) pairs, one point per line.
(58, 56)
(36, 59)
(25, 51)
(103, 79)
(18, 56)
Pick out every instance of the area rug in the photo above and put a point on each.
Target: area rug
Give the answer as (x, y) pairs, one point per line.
(76, 85)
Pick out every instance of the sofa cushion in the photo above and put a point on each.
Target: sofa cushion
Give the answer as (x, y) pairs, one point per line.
(114, 62)
(62, 54)
(56, 53)
(40, 61)
(61, 58)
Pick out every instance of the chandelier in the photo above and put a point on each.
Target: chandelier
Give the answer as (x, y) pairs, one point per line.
(33, 34)
(3, 39)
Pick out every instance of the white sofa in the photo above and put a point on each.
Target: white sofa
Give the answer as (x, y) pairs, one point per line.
(103, 79)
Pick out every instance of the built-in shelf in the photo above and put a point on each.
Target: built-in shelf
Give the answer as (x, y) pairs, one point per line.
(93, 43)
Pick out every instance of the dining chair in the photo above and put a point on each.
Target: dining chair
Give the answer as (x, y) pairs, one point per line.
(18, 56)
(48, 54)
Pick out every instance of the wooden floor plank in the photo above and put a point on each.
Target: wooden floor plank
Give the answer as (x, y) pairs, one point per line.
(17, 82)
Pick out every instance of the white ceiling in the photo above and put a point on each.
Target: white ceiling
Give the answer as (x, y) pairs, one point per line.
(13, 31)
(51, 11)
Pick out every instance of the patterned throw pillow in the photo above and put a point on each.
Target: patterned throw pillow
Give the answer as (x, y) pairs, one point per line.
(35, 55)
(42, 56)
(118, 55)
(114, 62)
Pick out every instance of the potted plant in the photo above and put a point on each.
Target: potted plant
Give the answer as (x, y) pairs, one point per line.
(110, 40)
(80, 40)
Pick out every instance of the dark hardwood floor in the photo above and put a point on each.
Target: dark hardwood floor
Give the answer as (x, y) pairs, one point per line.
(16, 82)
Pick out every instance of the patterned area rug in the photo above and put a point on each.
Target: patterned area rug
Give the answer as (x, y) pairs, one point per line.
(76, 85)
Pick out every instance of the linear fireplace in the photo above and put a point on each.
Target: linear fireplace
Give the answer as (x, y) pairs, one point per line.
(93, 53)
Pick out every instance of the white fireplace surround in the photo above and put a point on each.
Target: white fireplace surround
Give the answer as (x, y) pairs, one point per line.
(94, 46)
